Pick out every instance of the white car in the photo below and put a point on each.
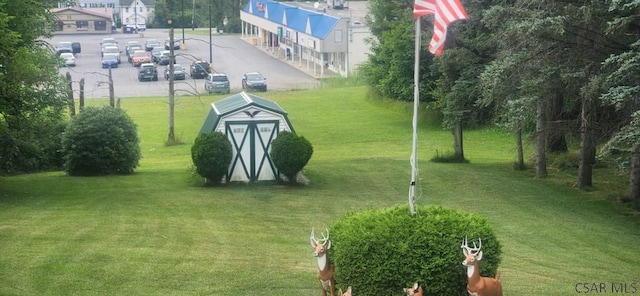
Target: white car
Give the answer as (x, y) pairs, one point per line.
(109, 41)
(111, 50)
(69, 59)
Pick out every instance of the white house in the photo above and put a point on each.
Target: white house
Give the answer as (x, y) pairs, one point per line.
(138, 12)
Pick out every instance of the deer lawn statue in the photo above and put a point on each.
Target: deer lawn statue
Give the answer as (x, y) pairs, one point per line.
(416, 290)
(325, 268)
(477, 285)
(347, 293)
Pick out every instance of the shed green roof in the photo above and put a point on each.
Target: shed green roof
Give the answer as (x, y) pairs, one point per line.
(235, 103)
(241, 100)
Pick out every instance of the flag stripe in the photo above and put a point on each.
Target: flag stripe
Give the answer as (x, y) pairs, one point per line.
(445, 12)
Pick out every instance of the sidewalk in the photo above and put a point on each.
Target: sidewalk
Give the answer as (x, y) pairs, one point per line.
(279, 54)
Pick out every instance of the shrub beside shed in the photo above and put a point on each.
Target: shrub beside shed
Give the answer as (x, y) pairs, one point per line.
(251, 123)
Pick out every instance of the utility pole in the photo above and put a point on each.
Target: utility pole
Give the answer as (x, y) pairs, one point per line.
(135, 19)
(171, 139)
(193, 15)
(111, 91)
(182, 22)
(210, 34)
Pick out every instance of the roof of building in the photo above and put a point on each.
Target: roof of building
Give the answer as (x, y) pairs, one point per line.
(236, 103)
(314, 23)
(104, 12)
(146, 2)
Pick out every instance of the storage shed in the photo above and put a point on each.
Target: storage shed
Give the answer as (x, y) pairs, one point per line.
(250, 123)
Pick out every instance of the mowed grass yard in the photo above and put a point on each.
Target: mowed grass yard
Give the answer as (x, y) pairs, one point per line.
(159, 232)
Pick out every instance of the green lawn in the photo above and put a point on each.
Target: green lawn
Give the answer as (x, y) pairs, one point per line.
(159, 232)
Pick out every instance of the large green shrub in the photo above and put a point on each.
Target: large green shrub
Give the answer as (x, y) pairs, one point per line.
(378, 252)
(100, 141)
(290, 153)
(211, 154)
(35, 145)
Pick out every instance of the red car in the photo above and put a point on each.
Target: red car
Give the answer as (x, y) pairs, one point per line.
(140, 57)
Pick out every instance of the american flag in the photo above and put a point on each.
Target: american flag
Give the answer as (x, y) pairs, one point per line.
(445, 12)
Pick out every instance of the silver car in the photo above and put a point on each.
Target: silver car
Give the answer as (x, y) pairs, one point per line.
(217, 83)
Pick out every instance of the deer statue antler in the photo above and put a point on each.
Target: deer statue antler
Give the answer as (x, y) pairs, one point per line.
(312, 238)
(477, 285)
(474, 250)
(314, 241)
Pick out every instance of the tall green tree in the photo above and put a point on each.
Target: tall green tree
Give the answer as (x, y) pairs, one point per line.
(448, 83)
(32, 96)
(622, 78)
(551, 51)
(458, 90)
(389, 70)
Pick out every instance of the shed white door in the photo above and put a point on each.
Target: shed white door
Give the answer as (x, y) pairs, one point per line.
(251, 142)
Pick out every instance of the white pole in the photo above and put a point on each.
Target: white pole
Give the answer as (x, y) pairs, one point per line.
(416, 103)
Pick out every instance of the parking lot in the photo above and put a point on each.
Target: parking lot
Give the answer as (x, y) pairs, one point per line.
(230, 54)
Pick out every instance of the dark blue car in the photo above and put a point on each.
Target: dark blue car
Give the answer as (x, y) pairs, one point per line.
(109, 61)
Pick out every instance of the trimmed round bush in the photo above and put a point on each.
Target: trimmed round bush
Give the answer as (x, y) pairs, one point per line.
(211, 154)
(290, 153)
(100, 141)
(378, 252)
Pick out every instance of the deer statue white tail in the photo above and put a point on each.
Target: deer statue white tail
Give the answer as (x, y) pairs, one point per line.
(477, 285)
(346, 293)
(325, 268)
(416, 290)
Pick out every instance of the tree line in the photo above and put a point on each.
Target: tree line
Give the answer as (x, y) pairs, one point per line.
(559, 71)
(221, 14)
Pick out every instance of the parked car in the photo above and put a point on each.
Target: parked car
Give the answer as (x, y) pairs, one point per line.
(165, 58)
(77, 48)
(178, 72)
(139, 57)
(131, 43)
(150, 44)
(254, 81)
(68, 58)
(131, 50)
(217, 83)
(112, 50)
(199, 69)
(148, 71)
(156, 53)
(109, 41)
(176, 44)
(64, 47)
(110, 60)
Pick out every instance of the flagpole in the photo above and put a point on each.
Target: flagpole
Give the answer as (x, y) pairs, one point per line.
(416, 103)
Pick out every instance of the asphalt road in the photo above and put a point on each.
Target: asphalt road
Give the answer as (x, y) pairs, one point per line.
(231, 55)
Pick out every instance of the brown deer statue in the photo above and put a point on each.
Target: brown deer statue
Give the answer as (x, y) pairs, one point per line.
(346, 293)
(477, 285)
(325, 268)
(416, 290)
